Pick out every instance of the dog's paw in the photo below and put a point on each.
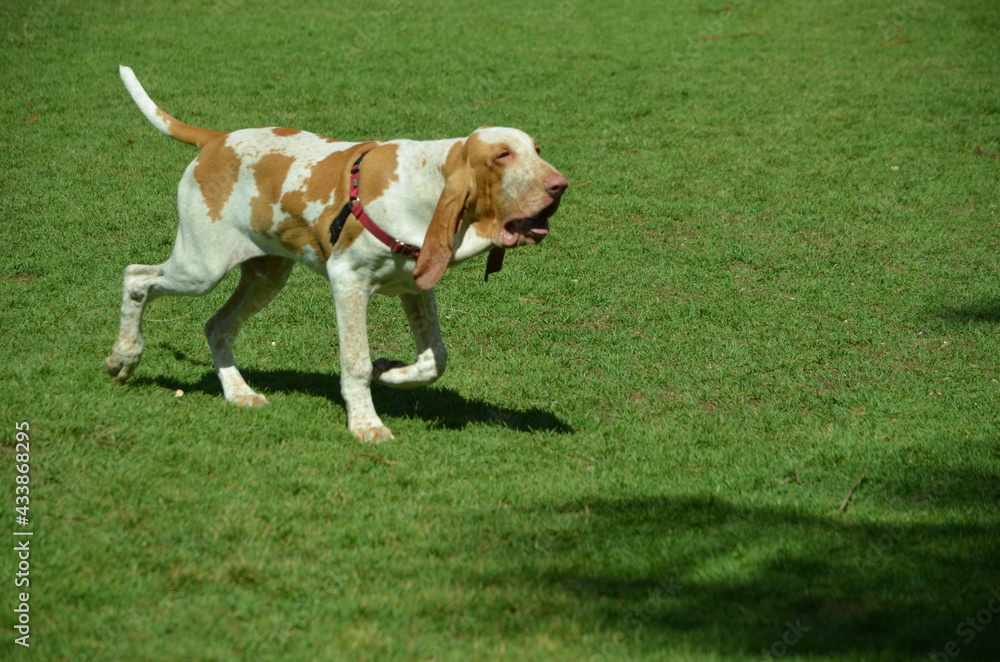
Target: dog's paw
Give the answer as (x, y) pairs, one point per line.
(373, 434)
(250, 400)
(397, 374)
(119, 369)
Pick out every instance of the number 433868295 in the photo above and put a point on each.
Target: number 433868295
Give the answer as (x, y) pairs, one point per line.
(22, 458)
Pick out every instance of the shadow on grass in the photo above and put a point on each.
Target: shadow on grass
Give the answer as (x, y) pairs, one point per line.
(985, 311)
(440, 407)
(701, 574)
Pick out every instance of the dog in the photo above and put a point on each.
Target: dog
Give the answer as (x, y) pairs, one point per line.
(371, 217)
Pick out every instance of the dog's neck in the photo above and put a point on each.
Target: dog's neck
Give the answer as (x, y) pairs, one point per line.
(422, 186)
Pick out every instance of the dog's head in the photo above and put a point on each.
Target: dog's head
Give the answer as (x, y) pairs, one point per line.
(496, 186)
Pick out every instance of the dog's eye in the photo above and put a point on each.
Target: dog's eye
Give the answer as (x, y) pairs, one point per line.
(538, 150)
(504, 156)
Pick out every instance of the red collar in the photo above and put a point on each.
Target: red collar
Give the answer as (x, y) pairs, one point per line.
(359, 212)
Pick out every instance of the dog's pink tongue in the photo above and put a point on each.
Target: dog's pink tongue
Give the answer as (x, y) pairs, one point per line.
(539, 227)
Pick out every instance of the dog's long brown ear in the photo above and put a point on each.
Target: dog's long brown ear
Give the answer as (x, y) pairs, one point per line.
(440, 239)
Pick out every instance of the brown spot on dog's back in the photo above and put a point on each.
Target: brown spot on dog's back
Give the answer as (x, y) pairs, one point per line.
(269, 175)
(284, 133)
(216, 171)
(378, 172)
(329, 176)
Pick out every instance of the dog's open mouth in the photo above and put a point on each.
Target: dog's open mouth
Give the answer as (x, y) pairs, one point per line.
(532, 230)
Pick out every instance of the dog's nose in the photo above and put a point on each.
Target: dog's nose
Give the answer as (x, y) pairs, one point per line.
(555, 184)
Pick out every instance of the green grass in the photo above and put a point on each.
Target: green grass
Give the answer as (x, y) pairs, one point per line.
(775, 272)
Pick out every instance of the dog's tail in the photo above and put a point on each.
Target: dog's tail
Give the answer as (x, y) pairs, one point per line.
(174, 128)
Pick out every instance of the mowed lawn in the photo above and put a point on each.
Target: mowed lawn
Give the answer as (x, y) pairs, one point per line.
(740, 405)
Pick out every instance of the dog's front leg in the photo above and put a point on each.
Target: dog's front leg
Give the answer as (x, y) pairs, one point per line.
(351, 296)
(421, 312)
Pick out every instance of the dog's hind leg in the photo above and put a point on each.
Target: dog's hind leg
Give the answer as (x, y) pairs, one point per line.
(260, 279)
(144, 283)
(127, 350)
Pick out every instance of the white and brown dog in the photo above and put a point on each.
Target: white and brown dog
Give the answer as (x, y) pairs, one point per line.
(385, 217)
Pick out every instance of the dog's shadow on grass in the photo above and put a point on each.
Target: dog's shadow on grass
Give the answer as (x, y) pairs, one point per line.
(439, 406)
